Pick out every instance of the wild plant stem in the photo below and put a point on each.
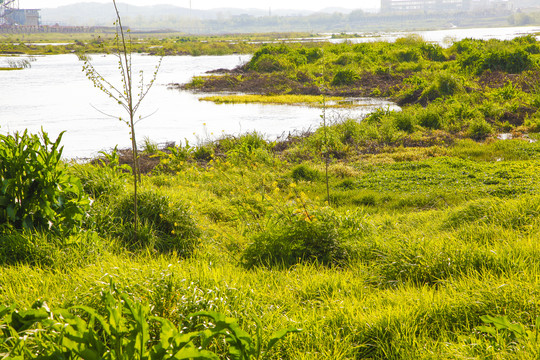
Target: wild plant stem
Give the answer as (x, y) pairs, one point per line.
(326, 149)
(126, 71)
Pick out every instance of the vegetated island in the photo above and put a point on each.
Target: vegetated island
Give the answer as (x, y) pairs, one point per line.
(427, 246)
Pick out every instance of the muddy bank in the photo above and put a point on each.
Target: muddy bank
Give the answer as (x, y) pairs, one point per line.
(238, 80)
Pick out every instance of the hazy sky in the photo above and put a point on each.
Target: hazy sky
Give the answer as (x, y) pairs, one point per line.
(208, 4)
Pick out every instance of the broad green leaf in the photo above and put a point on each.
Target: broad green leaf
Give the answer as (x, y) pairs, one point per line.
(194, 354)
(104, 323)
(487, 329)
(23, 320)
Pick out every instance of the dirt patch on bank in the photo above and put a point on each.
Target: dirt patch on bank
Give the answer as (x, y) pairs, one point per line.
(280, 84)
(527, 81)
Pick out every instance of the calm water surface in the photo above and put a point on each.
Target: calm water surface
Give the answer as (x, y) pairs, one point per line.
(55, 95)
(446, 36)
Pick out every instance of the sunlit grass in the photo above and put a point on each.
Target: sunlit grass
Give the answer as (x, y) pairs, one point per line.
(299, 100)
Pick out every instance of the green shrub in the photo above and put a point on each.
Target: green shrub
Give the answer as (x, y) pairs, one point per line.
(249, 141)
(445, 84)
(271, 63)
(388, 132)
(304, 237)
(275, 58)
(166, 225)
(203, 152)
(433, 52)
(248, 147)
(431, 118)
(470, 60)
(479, 129)
(345, 77)
(533, 49)
(350, 131)
(409, 55)
(404, 121)
(304, 172)
(344, 59)
(510, 61)
(376, 117)
(312, 55)
(37, 190)
(467, 45)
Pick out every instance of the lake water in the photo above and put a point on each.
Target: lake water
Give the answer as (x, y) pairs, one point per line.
(55, 95)
(446, 36)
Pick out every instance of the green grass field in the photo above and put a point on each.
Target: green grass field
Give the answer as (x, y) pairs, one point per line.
(426, 247)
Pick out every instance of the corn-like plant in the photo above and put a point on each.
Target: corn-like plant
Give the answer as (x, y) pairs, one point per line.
(126, 332)
(510, 337)
(36, 190)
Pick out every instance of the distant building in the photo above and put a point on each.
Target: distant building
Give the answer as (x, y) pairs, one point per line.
(27, 17)
(15, 17)
(408, 6)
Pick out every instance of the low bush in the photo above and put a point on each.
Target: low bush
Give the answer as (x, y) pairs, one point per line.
(479, 129)
(106, 178)
(166, 225)
(433, 52)
(305, 173)
(345, 77)
(404, 121)
(203, 152)
(410, 55)
(445, 84)
(271, 63)
(319, 236)
(312, 55)
(247, 147)
(511, 61)
(431, 118)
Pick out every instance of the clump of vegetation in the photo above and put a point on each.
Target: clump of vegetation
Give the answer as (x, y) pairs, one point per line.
(37, 192)
(166, 225)
(305, 173)
(318, 236)
(104, 177)
(444, 85)
(345, 77)
(479, 129)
